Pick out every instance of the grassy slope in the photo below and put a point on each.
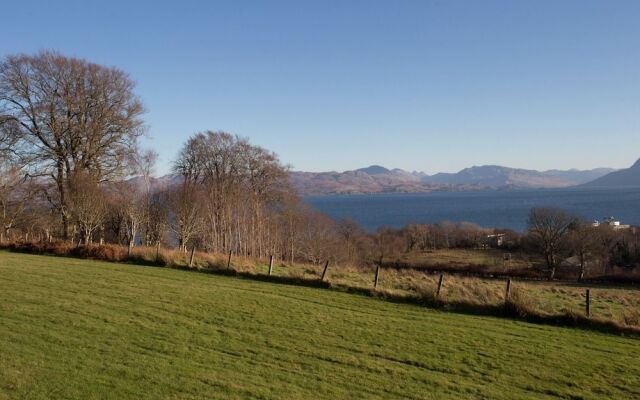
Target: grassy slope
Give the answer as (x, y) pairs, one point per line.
(82, 329)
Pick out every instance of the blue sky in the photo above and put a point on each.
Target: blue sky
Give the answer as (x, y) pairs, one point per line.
(333, 85)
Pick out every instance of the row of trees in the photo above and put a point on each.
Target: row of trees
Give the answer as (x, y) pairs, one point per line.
(69, 132)
(182, 212)
(557, 234)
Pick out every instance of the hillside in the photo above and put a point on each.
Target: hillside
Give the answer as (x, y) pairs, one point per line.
(578, 177)
(629, 177)
(85, 329)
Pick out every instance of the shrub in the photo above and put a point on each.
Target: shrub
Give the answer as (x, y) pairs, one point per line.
(425, 293)
(107, 252)
(631, 317)
(521, 304)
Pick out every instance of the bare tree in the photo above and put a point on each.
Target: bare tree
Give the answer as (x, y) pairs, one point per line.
(16, 192)
(133, 198)
(349, 233)
(582, 239)
(66, 115)
(317, 239)
(129, 202)
(548, 227)
(155, 220)
(185, 206)
(291, 220)
(605, 239)
(388, 244)
(88, 205)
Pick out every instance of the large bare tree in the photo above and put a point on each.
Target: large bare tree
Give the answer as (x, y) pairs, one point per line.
(549, 227)
(67, 115)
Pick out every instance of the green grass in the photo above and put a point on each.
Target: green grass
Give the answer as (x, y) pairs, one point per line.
(84, 329)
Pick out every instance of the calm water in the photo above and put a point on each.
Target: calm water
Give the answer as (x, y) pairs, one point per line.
(505, 209)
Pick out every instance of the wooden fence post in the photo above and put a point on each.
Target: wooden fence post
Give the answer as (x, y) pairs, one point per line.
(324, 271)
(588, 305)
(440, 285)
(270, 265)
(375, 282)
(193, 253)
(508, 291)
(229, 260)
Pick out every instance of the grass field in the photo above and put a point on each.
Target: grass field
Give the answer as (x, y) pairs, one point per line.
(73, 328)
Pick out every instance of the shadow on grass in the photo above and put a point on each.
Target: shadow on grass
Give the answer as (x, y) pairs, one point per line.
(279, 279)
(510, 309)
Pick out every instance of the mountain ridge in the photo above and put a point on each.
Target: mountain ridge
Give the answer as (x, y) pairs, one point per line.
(378, 179)
(628, 177)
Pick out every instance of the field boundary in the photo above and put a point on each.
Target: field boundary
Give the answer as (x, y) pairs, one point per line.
(471, 271)
(511, 308)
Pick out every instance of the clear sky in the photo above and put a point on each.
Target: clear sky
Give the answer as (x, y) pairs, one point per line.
(334, 85)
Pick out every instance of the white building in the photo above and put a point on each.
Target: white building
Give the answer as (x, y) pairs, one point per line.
(612, 222)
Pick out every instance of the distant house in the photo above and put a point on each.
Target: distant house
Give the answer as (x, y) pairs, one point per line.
(612, 222)
(495, 240)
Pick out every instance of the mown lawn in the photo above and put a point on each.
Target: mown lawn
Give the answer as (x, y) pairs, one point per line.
(82, 329)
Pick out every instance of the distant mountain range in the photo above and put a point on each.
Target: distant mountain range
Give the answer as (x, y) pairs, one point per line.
(377, 179)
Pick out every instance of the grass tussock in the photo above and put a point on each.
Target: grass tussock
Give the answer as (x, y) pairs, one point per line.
(520, 303)
(613, 308)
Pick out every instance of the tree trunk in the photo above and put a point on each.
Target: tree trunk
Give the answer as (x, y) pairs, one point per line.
(63, 199)
(551, 264)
